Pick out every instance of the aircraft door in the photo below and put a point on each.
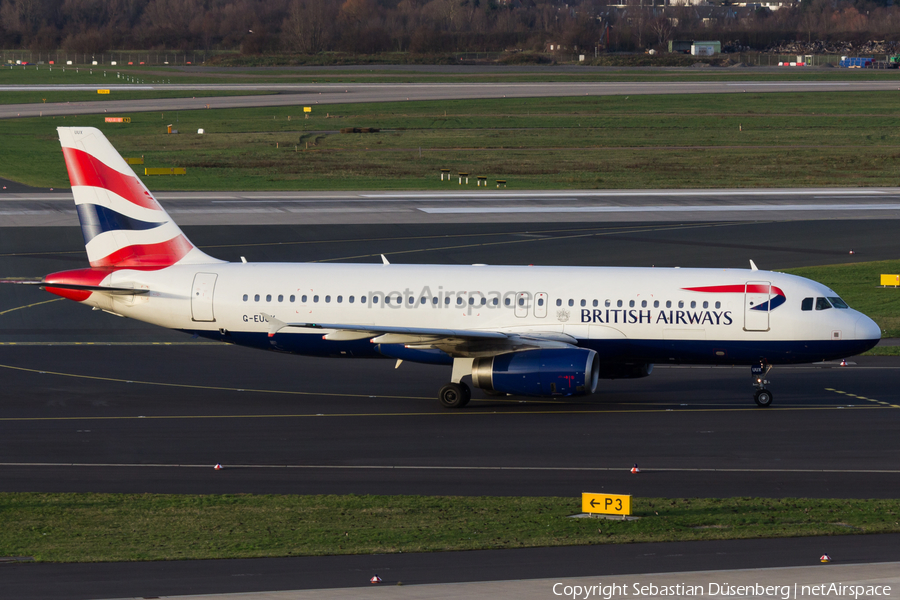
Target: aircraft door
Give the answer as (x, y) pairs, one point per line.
(202, 297)
(522, 304)
(756, 305)
(540, 305)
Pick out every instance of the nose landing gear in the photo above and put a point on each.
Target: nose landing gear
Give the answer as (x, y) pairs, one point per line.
(762, 396)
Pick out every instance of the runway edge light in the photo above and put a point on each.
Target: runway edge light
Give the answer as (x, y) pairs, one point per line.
(218, 467)
(606, 504)
(375, 579)
(635, 469)
(825, 558)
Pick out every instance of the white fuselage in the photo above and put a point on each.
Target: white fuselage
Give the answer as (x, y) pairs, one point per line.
(626, 314)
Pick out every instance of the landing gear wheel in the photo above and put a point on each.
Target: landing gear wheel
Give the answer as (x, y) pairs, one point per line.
(455, 395)
(763, 397)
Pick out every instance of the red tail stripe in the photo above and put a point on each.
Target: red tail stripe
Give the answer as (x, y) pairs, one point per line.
(737, 289)
(147, 256)
(85, 169)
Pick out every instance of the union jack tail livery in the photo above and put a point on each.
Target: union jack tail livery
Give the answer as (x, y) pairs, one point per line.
(122, 223)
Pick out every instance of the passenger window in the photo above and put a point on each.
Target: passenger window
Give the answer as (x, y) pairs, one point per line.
(459, 301)
(351, 299)
(246, 297)
(596, 303)
(362, 299)
(268, 297)
(292, 298)
(607, 304)
(806, 304)
(693, 304)
(327, 298)
(471, 301)
(340, 299)
(705, 304)
(506, 302)
(619, 303)
(540, 301)
(424, 300)
(387, 299)
(631, 303)
(837, 302)
(316, 298)
(718, 305)
(521, 301)
(375, 299)
(256, 298)
(280, 298)
(447, 300)
(303, 298)
(681, 304)
(656, 304)
(434, 300)
(643, 304)
(571, 302)
(668, 304)
(483, 301)
(559, 301)
(822, 304)
(584, 302)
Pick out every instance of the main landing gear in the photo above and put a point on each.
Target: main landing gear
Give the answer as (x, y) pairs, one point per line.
(455, 395)
(762, 396)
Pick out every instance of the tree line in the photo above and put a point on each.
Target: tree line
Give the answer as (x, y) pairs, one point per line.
(425, 26)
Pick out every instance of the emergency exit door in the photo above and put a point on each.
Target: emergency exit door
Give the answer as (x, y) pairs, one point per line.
(202, 297)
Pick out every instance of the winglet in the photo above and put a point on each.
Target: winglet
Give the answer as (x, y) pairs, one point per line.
(384, 259)
(753, 266)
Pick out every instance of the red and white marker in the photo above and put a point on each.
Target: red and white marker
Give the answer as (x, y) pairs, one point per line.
(375, 579)
(218, 467)
(843, 362)
(635, 469)
(824, 558)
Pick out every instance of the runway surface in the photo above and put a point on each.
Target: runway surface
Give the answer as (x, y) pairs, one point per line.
(70, 412)
(21, 208)
(302, 94)
(588, 563)
(93, 402)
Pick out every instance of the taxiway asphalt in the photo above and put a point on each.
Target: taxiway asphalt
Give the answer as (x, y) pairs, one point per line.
(91, 402)
(302, 94)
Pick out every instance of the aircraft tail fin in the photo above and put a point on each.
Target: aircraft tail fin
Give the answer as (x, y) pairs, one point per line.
(122, 223)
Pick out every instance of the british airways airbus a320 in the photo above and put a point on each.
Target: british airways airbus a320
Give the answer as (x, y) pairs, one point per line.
(533, 331)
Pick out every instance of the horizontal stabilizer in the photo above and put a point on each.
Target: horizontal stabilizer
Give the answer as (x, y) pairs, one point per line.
(113, 291)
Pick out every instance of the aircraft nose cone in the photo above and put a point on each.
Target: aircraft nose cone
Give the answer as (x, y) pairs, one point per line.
(867, 329)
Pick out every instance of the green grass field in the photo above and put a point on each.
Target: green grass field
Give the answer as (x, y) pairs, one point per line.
(116, 527)
(682, 141)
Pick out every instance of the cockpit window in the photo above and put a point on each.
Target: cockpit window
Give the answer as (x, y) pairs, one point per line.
(822, 304)
(837, 302)
(806, 304)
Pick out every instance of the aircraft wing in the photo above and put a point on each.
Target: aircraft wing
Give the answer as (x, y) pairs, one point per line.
(455, 342)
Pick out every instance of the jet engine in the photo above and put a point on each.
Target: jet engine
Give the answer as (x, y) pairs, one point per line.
(550, 372)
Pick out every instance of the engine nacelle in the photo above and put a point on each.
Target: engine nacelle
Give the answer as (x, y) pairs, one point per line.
(551, 372)
(625, 370)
